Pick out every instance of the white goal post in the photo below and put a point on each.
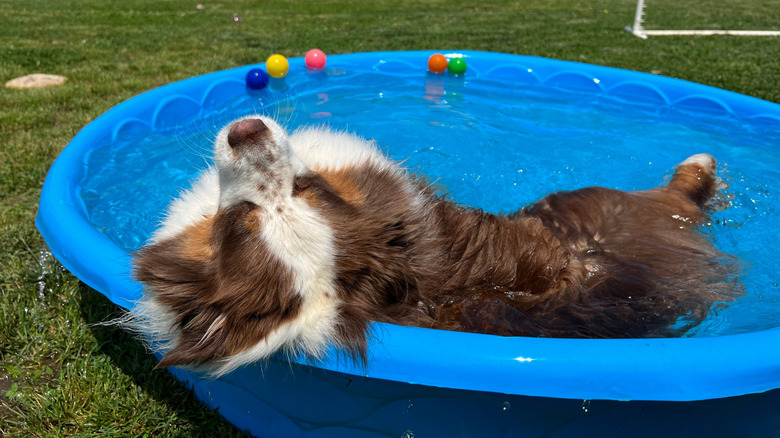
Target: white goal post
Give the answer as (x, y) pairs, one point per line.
(639, 31)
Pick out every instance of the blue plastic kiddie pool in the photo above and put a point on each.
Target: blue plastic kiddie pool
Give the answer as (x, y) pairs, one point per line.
(508, 131)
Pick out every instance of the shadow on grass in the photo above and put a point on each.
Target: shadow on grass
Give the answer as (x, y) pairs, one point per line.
(131, 356)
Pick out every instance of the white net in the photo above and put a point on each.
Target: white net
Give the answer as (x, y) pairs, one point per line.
(706, 17)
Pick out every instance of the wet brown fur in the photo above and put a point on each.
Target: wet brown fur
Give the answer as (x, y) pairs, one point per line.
(593, 262)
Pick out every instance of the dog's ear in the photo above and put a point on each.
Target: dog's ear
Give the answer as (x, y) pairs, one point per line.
(172, 281)
(203, 339)
(177, 288)
(215, 293)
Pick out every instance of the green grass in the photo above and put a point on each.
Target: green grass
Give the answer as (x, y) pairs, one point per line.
(62, 376)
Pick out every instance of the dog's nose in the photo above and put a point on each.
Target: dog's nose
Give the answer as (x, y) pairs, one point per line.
(249, 130)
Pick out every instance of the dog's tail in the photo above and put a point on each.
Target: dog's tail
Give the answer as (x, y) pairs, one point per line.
(696, 178)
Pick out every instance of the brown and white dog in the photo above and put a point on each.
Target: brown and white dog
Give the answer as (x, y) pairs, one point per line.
(294, 243)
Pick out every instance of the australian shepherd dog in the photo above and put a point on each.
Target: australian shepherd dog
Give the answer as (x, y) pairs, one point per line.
(298, 242)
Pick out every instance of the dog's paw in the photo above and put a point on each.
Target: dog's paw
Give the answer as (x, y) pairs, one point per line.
(705, 161)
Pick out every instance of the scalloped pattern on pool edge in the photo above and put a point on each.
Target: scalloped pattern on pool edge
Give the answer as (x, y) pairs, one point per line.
(188, 106)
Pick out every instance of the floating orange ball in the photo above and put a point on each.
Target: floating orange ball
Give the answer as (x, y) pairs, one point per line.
(437, 63)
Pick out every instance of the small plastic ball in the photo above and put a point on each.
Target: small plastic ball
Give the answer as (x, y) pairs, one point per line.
(437, 63)
(277, 66)
(256, 79)
(315, 59)
(457, 66)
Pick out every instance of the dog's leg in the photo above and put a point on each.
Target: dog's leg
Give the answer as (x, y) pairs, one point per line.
(696, 178)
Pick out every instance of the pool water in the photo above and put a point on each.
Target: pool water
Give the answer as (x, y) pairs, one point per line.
(489, 143)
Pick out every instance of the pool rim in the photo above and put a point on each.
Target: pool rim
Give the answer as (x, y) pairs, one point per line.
(678, 369)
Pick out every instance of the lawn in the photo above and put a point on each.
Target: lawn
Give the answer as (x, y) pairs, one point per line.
(60, 375)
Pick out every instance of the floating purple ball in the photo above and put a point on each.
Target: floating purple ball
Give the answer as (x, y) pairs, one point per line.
(256, 79)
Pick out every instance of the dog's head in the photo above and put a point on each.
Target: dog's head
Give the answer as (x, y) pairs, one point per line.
(270, 253)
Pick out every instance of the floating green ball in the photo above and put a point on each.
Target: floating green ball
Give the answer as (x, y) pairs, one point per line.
(457, 66)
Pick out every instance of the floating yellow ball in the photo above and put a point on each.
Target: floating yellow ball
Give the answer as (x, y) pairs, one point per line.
(277, 66)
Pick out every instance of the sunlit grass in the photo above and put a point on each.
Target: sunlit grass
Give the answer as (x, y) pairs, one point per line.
(62, 376)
